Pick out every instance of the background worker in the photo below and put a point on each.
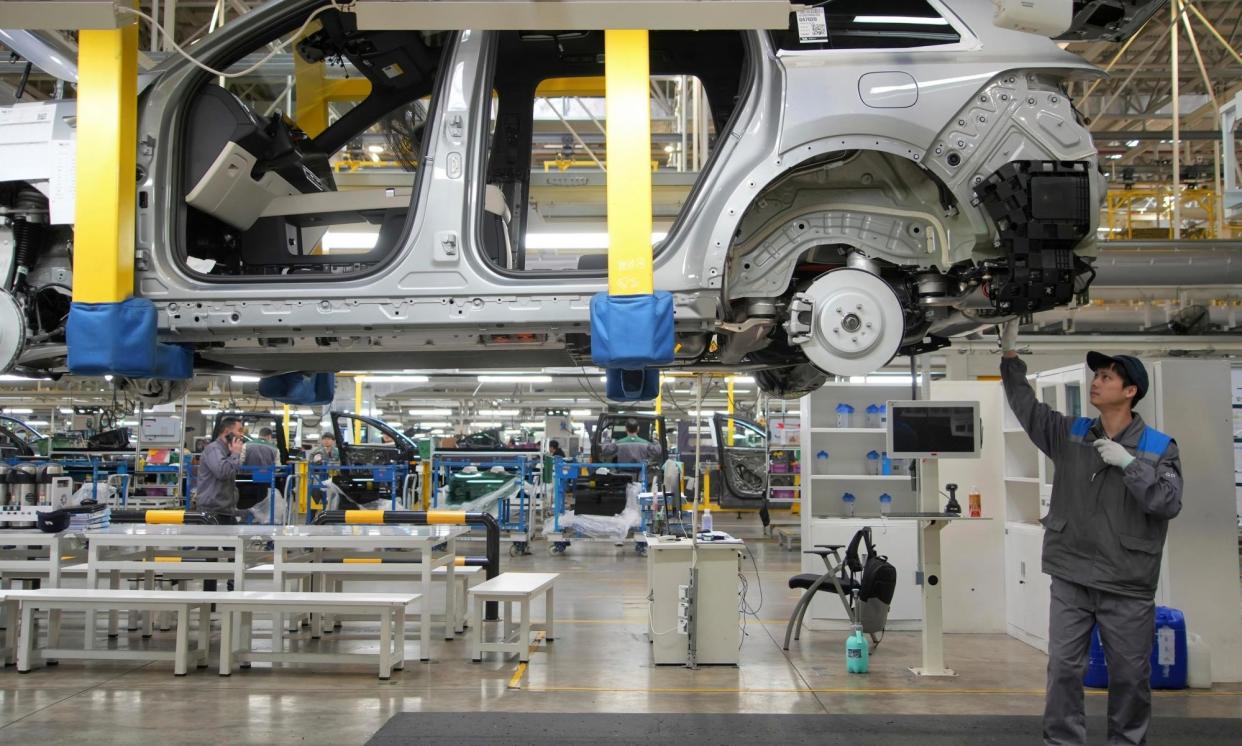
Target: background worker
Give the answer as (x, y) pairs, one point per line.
(1117, 484)
(216, 477)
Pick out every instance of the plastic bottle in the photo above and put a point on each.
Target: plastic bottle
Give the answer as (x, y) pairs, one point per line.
(886, 464)
(873, 415)
(856, 652)
(873, 463)
(706, 523)
(849, 500)
(975, 502)
(883, 416)
(886, 504)
(844, 412)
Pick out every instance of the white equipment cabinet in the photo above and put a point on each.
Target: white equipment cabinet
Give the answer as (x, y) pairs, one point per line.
(717, 613)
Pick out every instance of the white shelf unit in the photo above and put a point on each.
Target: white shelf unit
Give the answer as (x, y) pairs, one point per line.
(824, 480)
(785, 433)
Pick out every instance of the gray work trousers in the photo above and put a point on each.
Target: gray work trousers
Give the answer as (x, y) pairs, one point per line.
(1127, 629)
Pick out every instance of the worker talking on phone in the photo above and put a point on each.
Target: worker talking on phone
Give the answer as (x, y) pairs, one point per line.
(1117, 484)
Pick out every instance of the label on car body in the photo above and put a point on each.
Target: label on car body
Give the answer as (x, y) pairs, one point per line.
(812, 25)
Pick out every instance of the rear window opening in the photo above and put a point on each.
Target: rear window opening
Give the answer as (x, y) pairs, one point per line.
(308, 165)
(545, 201)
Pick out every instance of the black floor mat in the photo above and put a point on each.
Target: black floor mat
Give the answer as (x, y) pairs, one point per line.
(447, 729)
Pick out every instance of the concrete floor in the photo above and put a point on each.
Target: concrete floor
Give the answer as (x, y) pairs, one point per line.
(598, 663)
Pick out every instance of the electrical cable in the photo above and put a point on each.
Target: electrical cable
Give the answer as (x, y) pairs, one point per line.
(276, 48)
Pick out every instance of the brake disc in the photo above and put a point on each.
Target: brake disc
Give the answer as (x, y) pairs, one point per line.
(848, 322)
(12, 331)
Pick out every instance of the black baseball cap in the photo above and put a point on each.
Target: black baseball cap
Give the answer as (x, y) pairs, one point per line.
(1131, 365)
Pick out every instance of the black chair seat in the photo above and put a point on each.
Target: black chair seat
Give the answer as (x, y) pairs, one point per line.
(806, 580)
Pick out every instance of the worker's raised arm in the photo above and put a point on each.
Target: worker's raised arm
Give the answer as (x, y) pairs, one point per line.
(1045, 426)
(1158, 488)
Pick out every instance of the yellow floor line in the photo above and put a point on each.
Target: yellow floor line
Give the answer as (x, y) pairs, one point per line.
(516, 681)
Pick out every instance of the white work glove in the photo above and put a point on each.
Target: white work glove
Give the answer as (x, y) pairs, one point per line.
(1009, 336)
(1113, 453)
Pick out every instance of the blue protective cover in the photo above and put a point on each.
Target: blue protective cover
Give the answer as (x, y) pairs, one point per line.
(121, 339)
(632, 331)
(632, 385)
(1174, 675)
(299, 388)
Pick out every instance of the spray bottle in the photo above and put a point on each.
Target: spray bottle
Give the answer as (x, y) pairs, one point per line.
(856, 651)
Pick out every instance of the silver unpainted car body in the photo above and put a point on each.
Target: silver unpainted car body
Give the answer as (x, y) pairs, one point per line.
(878, 153)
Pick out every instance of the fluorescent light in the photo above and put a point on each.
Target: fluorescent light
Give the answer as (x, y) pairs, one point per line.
(210, 412)
(65, 410)
(431, 413)
(515, 379)
(906, 20)
(741, 391)
(434, 424)
(20, 379)
(37, 423)
(580, 413)
(500, 412)
(532, 424)
(245, 379)
(108, 377)
(743, 379)
(18, 410)
(580, 241)
(486, 424)
(395, 379)
(302, 412)
(1132, 143)
(349, 240)
(375, 148)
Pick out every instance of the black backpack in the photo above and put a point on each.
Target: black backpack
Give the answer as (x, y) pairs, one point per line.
(878, 582)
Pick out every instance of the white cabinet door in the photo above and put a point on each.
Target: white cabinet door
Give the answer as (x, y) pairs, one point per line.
(1013, 579)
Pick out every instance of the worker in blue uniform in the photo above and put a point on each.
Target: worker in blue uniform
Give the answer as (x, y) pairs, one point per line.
(1117, 484)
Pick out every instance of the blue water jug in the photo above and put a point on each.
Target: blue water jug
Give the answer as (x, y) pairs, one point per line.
(856, 652)
(1169, 654)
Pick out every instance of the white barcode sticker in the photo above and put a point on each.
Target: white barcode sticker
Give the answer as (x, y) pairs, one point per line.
(812, 26)
(1166, 647)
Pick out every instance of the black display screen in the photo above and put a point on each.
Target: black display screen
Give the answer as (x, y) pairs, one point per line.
(933, 429)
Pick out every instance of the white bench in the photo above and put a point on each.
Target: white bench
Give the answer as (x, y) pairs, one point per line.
(510, 588)
(389, 607)
(9, 649)
(56, 600)
(464, 577)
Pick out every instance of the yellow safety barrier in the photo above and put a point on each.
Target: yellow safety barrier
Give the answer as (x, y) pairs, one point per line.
(628, 147)
(167, 559)
(445, 517)
(165, 516)
(362, 560)
(364, 516)
(459, 561)
(107, 134)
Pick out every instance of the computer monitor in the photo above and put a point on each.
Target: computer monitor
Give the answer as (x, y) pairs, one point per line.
(934, 429)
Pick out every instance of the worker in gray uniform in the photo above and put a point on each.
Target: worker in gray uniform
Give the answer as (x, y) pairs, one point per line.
(1116, 486)
(631, 449)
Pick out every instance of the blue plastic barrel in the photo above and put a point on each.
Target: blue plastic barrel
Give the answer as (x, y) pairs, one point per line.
(1169, 654)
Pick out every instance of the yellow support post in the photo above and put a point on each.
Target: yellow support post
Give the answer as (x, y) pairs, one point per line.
(288, 434)
(357, 407)
(628, 155)
(302, 469)
(103, 255)
(729, 431)
(659, 405)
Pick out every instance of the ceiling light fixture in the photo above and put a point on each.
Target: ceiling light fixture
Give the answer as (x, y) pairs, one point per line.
(515, 379)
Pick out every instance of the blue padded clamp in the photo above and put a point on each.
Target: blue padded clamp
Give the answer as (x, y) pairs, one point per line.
(121, 339)
(299, 388)
(632, 331)
(633, 385)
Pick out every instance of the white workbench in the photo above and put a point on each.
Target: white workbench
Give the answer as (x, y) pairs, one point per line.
(29, 551)
(717, 616)
(133, 548)
(318, 551)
